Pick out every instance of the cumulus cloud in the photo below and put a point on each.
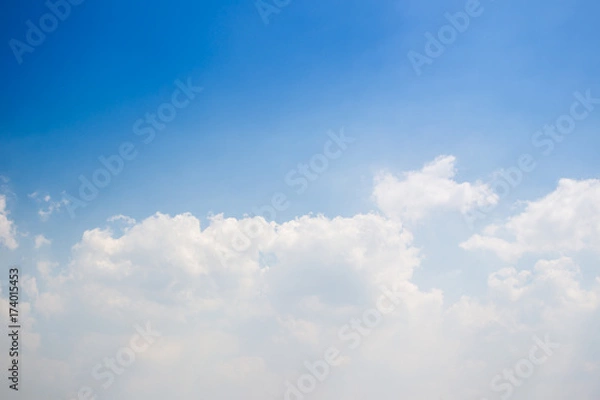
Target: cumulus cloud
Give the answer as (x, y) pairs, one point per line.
(415, 194)
(238, 327)
(244, 305)
(566, 220)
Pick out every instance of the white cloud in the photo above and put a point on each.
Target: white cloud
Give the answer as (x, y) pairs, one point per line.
(49, 206)
(122, 218)
(566, 220)
(417, 193)
(8, 230)
(509, 282)
(45, 268)
(236, 326)
(41, 240)
(49, 304)
(29, 285)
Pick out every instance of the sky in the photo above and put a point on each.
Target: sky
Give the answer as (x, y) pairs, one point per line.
(246, 176)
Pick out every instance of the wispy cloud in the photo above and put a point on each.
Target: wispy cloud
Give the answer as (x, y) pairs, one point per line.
(47, 205)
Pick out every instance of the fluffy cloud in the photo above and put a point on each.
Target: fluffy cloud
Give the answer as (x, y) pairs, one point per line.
(566, 220)
(244, 305)
(8, 230)
(417, 193)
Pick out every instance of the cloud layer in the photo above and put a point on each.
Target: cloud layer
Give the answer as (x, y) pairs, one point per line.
(244, 323)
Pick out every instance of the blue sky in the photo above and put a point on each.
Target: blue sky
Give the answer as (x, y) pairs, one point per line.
(271, 93)
(276, 89)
